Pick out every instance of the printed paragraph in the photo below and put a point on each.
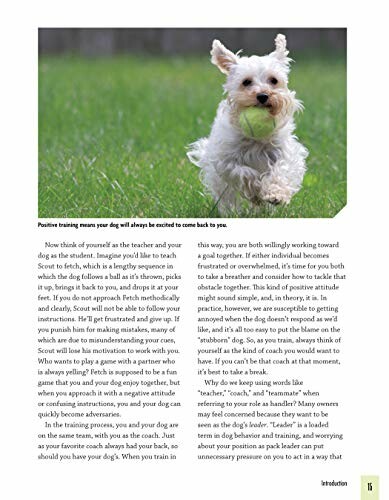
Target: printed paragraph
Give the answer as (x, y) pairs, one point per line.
(269, 333)
(108, 345)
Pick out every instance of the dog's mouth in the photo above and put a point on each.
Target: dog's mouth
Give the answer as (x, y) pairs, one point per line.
(268, 106)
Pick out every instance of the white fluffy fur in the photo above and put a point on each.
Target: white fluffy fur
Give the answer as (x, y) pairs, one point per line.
(265, 170)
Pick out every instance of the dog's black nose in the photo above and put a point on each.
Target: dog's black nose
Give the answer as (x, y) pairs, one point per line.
(262, 98)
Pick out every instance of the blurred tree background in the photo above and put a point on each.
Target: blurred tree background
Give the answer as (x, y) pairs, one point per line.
(174, 41)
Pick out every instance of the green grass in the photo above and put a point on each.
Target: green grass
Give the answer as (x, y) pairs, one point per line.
(113, 136)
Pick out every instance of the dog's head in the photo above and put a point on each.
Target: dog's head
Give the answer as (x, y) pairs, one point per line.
(258, 81)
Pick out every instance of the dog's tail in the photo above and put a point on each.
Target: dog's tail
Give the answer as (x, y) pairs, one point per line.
(196, 151)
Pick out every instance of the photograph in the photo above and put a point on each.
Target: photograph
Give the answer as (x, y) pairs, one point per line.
(192, 122)
(199, 312)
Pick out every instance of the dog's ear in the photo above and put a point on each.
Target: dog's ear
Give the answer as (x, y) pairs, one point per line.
(281, 53)
(223, 58)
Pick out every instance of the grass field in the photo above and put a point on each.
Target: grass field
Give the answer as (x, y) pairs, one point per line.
(113, 133)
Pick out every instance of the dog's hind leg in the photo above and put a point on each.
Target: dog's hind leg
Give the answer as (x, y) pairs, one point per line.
(224, 196)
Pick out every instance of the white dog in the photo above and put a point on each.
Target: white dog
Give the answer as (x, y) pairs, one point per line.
(269, 169)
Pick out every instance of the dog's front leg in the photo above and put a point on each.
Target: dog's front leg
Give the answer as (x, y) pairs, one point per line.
(275, 190)
(243, 179)
(282, 181)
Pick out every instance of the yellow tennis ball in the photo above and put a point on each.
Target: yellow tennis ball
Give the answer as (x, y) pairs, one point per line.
(256, 123)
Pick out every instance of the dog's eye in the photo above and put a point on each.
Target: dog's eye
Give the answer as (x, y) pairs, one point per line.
(247, 82)
(273, 80)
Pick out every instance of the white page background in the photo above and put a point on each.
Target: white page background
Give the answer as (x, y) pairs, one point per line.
(361, 228)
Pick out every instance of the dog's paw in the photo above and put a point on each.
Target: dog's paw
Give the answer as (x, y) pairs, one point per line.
(277, 195)
(274, 201)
